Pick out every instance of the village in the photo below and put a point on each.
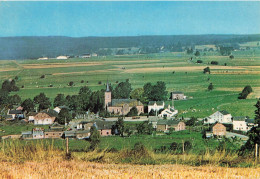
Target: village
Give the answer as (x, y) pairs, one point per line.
(161, 119)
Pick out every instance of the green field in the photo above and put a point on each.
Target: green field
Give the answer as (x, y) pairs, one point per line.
(228, 80)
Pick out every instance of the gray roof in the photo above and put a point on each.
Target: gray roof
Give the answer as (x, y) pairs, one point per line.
(177, 92)
(121, 102)
(157, 102)
(15, 112)
(239, 118)
(104, 124)
(27, 133)
(250, 120)
(224, 112)
(168, 122)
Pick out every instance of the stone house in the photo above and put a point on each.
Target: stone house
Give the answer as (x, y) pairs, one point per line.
(104, 127)
(121, 106)
(178, 95)
(165, 125)
(155, 105)
(219, 130)
(85, 134)
(220, 117)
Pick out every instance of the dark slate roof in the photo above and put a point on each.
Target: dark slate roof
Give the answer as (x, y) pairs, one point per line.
(104, 124)
(121, 102)
(51, 113)
(15, 112)
(177, 92)
(27, 133)
(239, 118)
(224, 112)
(157, 102)
(250, 120)
(61, 107)
(31, 114)
(167, 122)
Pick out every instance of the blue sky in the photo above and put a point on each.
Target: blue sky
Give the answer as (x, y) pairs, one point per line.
(78, 19)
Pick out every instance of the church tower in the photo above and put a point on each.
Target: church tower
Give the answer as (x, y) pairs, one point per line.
(108, 96)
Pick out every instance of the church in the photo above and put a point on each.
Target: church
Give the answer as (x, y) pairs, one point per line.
(121, 106)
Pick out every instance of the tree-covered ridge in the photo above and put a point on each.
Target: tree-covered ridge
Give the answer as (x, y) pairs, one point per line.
(53, 46)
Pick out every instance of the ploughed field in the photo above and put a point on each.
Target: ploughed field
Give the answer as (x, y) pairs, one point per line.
(79, 169)
(188, 77)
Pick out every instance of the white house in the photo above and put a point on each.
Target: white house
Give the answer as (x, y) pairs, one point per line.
(62, 57)
(155, 105)
(241, 124)
(87, 55)
(43, 58)
(168, 112)
(219, 116)
(59, 108)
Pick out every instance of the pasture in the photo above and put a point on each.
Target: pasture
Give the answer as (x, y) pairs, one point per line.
(229, 77)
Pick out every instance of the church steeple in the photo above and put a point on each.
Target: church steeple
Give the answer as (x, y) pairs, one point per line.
(108, 96)
(107, 90)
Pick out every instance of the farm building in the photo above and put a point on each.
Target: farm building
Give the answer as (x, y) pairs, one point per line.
(44, 118)
(38, 133)
(242, 123)
(27, 135)
(219, 130)
(178, 95)
(16, 114)
(219, 116)
(121, 106)
(59, 108)
(104, 127)
(84, 125)
(62, 57)
(53, 134)
(168, 112)
(86, 55)
(155, 105)
(165, 125)
(30, 116)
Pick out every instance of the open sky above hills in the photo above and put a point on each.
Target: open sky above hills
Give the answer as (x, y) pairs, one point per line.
(78, 19)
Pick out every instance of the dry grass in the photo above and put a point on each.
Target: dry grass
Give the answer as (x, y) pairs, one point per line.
(59, 168)
(58, 65)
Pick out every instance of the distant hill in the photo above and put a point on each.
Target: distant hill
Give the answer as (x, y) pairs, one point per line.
(52, 46)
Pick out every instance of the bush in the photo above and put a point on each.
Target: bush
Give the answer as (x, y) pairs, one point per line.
(214, 63)
(199, 61)
(206, 70)
(71, 83)
(43, 76)
(82, 81)
(174, 146)
(187, 146)
(99, 82)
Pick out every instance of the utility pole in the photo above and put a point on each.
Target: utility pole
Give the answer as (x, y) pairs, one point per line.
(256, 151)
(67, 145)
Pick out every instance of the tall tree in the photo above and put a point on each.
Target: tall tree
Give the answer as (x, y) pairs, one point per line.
(43, 101)
(120, 126)
(27, 105)
(138, 94)
(94, 137)
(59, 100)
(64, 116)
(15, 99)
(122, 90)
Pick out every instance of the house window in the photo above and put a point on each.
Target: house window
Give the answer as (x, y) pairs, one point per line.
(107, 132)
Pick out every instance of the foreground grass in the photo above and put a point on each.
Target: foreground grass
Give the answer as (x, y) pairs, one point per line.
(58, 168)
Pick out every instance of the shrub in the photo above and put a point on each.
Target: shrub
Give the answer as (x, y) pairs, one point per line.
(214, 63)
(99, 82)
(71, 83)
(174, 146)
(199, 61)
(82, 81)
(206, 70)
(43, 76)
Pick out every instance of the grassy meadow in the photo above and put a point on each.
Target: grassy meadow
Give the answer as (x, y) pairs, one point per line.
(228, 81)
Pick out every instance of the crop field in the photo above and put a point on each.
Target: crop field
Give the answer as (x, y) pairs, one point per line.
(228, 80)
